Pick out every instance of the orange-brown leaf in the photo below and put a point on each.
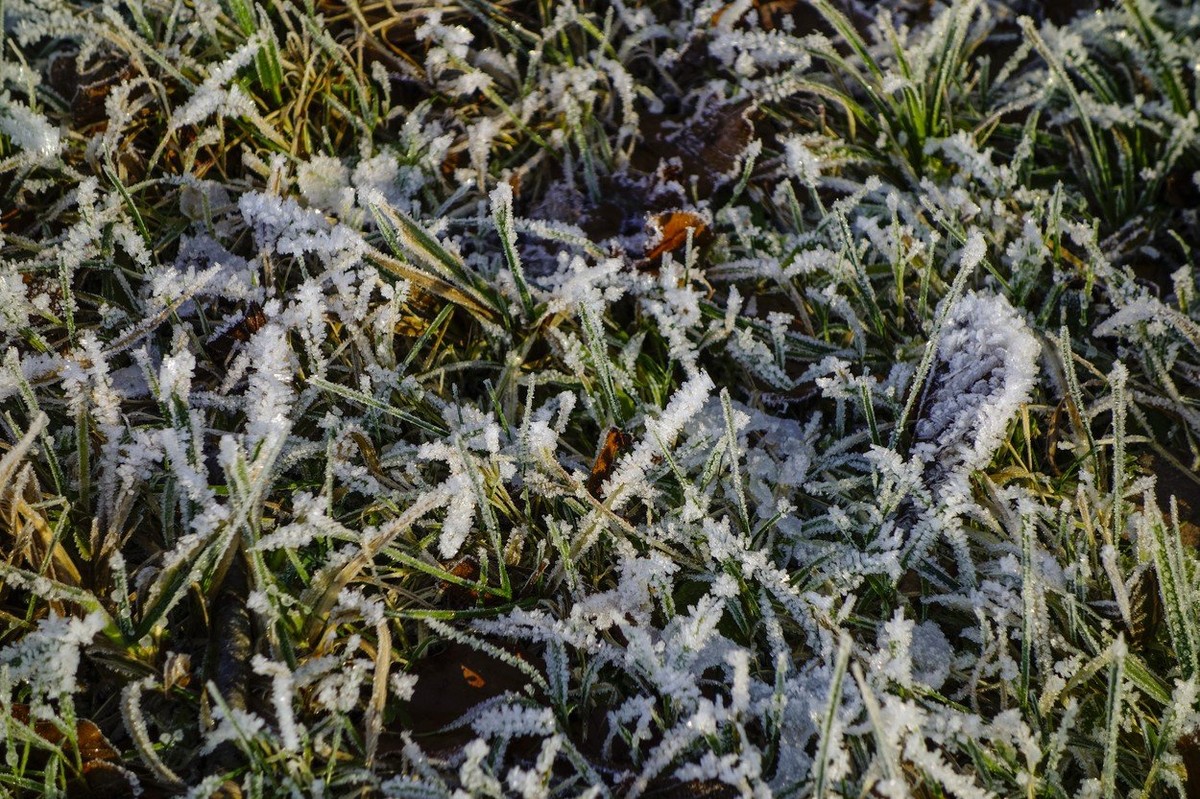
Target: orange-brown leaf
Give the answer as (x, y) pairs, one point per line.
(472, 677)
(616, 441)
(92, 743)
(672, 231)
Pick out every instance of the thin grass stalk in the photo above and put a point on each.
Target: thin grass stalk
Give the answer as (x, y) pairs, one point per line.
(1120, 407)
(739, 490)
(593, 329)
(885, 753)
(139, 733)
(833, 703)
(1112, 715)
(1029, 584)
(1075, 394)
(379, 689)
(502, 217)
(1175, 589)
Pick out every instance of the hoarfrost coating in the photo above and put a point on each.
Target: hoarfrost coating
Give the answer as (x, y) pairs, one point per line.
(363, 336)
(986, 366)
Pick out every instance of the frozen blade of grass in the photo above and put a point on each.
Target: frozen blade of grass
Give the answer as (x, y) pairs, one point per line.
(1108, 559)
(18, 452)
(593, 329)
(65, 280)
(242, 12)
(503, 655)
(353, 77)
(1123, 163)
(749, 159)
(57, 560)
(445, 275)
(1079, 416)
(863, 281)
(951, 56)
(56, 591)
(441, 574)
(885, 751)
(849, 34)
(502, 216)
(418, 242)
(1099, 154)
(1084, 673)
(135, 725)
(146, 45)
(248, 483)
(562, 233)
(269, 68)
(172, 583)
(1171, 727)
(568, 567)
(1029, 605)
(111, 173)
(731, 448)
(604, 514)
(829, 718)
(379, 688)
(266, 62)
(486, 509)
(465, 299)
(1152, 38)
(1112, 728)
(491, 612)
(321, 596)
(139, 331)
(1175, 588)
(375, 404)
(83, 462)
(431, 330)
(120, 595)
(500, 21)
(868, 406)
(1120, 407)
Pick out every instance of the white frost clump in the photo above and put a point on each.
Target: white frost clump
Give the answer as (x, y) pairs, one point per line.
(48, 657)
(986, 366)
(29, 130)
(212, 96)
(325, 183)
(269, 395)
(475, 434)
(14, 307)
(931, 655)
(282, 225)
(631, 477)
(311, 522)
(282, 687)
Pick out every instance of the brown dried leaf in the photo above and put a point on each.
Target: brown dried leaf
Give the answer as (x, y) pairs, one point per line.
(91, 741)
(671, 232)
(220, 345)
(616, 441)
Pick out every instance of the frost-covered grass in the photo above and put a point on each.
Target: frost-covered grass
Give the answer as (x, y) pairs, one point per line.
(599, 399)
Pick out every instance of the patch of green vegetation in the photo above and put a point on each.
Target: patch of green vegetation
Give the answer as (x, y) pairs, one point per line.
(536, 399)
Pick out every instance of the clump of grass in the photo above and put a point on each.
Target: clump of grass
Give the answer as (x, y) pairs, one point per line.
(531, 399)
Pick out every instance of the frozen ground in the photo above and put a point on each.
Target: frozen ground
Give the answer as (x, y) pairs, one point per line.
(620, 399)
